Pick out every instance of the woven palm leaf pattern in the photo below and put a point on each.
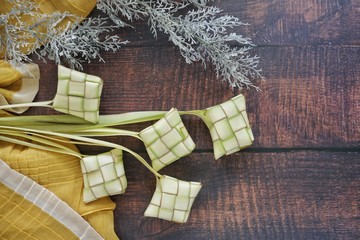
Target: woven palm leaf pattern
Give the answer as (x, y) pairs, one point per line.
(173, 199)
(229, 126)
(78, 94)
(103, 174)
(167, 140)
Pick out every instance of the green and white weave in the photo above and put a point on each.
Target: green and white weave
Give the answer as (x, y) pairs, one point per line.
(173, 199)
(229, 126)
(78, 94)
(167, 140)
(103, 174)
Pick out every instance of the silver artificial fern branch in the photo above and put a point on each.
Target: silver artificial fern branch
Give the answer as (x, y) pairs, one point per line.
(81, 43)
(201, 34)
(43, 36)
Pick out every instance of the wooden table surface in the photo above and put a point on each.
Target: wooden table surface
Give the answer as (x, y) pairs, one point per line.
(301, 177)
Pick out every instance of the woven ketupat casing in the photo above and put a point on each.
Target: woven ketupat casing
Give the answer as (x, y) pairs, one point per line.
(103, 174)
(229, 126)
(173, 199)
(167, 140)
(78, 94)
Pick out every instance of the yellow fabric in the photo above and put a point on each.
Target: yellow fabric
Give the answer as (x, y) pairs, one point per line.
(18, 214)
(8, 74)
(4, 113)
(61, 174)
(76, 7)
(101, 220)
(18, 84)
(80, 8)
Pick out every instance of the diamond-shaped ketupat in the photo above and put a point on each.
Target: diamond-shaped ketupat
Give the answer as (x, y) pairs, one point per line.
(103, 174)
(173, 199)
(229, 126)
(167, 140)
(78, 94)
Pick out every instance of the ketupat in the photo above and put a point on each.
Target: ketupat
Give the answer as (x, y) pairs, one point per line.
(229, 126)
(103, 174)
(173, 199)
(167, 140)
(78, 94)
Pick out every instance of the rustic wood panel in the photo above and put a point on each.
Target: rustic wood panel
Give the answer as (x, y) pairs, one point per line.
(289, 22)
(310, 98)
(295, 195)
(300, 179)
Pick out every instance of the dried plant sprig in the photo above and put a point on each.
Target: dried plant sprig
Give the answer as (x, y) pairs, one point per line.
(73, 44)
(201, 35)
(18, 37)
(127, 8)
(82, 42)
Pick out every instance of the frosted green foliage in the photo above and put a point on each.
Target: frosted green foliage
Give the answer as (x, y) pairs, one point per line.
(77, 43)
(201, 34)
(82, 42)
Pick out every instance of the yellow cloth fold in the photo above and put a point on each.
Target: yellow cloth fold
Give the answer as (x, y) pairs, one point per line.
(18, 84)
(61, 174)
(8, 74)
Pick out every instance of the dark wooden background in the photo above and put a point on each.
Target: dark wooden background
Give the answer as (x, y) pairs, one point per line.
(301, 177)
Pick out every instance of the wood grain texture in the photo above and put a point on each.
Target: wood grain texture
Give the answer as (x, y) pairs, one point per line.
(300, 179)
(293, 195)
(310, 98)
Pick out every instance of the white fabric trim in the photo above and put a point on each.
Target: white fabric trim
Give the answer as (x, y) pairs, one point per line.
(47, 201)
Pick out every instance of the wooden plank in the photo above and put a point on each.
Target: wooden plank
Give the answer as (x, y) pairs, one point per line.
(289, 22)
(310, 99)
(280, 22)
(294, 195)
